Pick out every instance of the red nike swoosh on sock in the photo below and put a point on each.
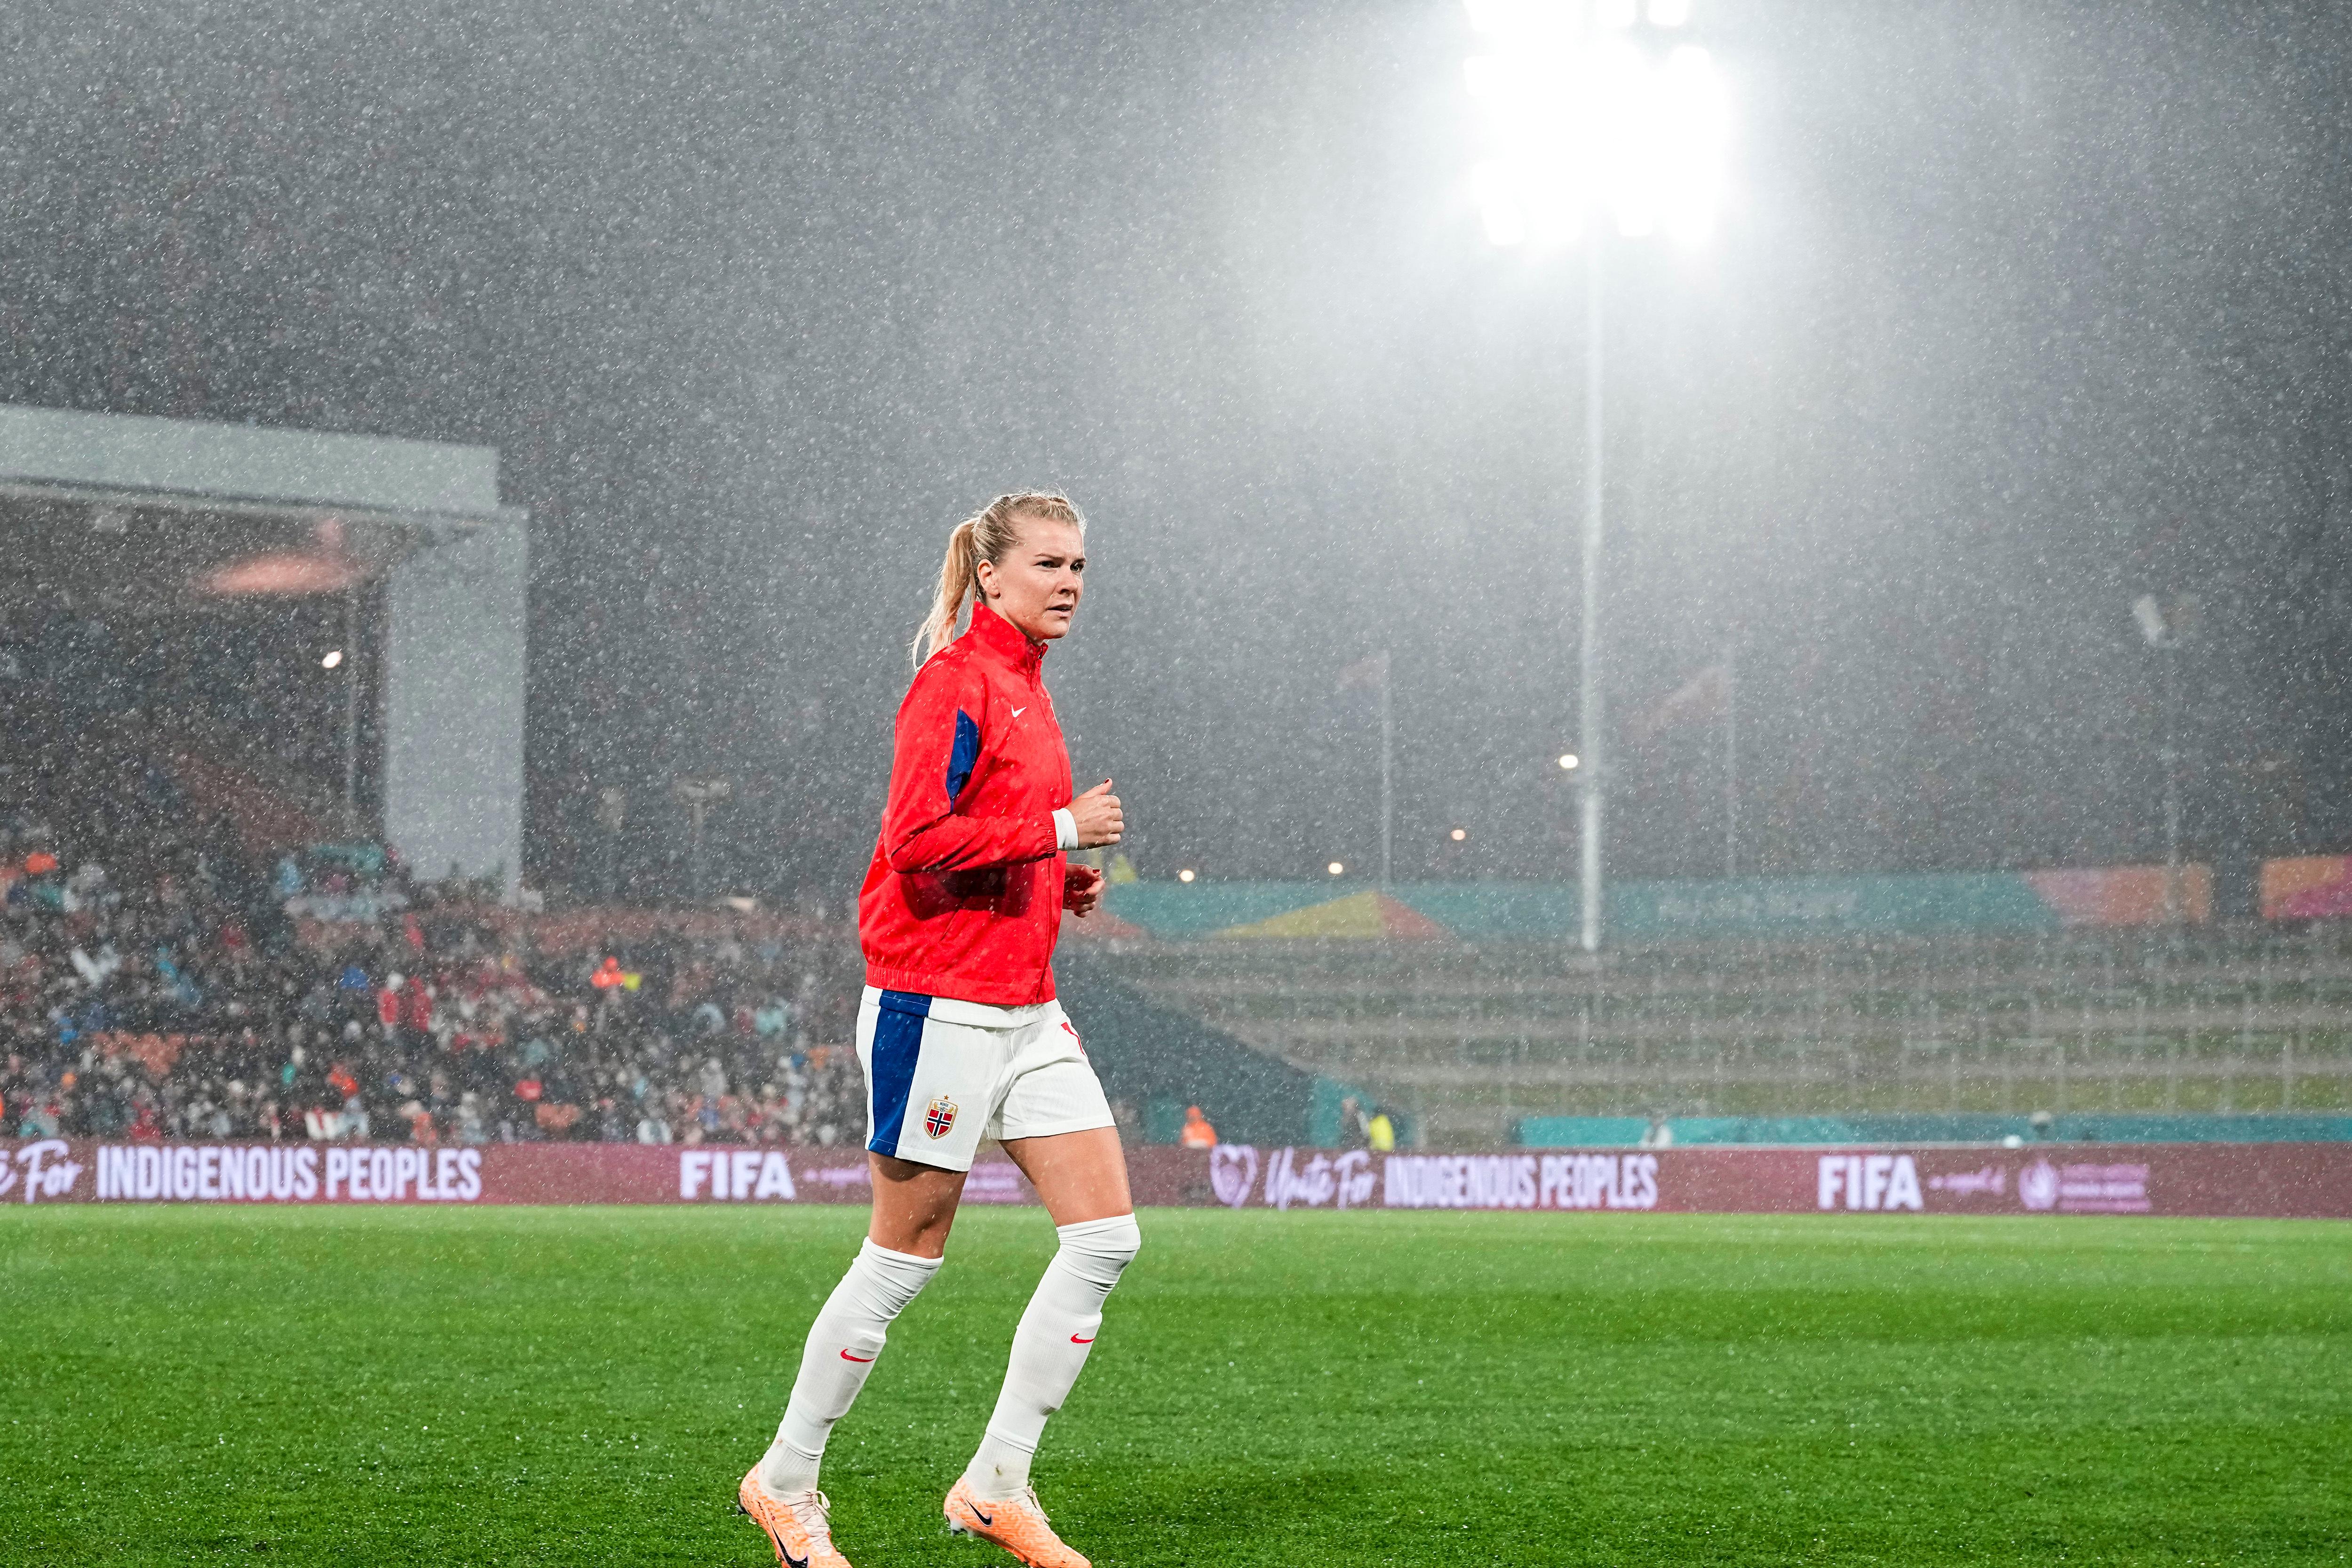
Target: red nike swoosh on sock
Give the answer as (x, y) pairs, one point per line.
(860, 1358)
(1076, 1341)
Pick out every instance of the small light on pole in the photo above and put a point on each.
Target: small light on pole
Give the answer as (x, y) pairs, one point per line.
(1459, 834)
(1568, 761)
(333, 660)
(1185, 875)
(1337, 868)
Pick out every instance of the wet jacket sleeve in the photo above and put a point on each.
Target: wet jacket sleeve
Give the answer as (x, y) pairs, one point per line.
(938, 745)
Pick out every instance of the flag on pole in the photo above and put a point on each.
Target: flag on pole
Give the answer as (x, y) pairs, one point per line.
(1711, 696)
(1707, 695)
(1368, 674)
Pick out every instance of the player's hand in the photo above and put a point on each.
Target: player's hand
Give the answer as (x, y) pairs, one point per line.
(1097, 816)
(1081, 888)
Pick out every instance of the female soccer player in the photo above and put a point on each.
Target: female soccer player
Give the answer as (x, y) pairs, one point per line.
(961, 1037)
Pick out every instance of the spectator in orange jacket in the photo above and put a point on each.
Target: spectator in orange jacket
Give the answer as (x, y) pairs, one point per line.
(1197, 1133)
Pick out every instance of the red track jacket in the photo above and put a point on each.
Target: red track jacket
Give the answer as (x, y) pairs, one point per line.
(964, 896)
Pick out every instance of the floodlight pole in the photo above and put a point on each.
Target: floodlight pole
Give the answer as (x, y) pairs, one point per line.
(1595, 773)
(350, 711)
(2174, 905)
(697, 810)
(1387, 774)
(1731, 760)
(2166, 624)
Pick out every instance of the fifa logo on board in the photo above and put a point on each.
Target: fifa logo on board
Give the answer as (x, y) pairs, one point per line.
(1870, 1181)
(739, 1175)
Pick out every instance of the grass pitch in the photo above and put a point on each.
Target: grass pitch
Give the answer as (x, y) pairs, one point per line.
(585, 1386)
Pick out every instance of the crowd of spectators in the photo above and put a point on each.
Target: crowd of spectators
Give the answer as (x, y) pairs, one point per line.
(158, 982)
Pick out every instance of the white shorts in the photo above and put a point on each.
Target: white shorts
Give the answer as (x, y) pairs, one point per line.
(942, 1074)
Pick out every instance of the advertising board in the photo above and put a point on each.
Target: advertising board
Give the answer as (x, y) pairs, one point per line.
(2307, 888)
(2013, 901)
(2283, 1180)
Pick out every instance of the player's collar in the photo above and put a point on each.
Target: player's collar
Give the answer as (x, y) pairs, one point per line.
(1005, 641)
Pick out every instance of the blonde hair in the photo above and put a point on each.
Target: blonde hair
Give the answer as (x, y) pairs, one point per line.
(989, 535)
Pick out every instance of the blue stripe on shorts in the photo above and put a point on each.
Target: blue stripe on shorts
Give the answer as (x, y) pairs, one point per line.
(897, 1046)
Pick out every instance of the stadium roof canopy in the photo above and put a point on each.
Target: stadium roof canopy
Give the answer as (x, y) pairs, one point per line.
(144, 515)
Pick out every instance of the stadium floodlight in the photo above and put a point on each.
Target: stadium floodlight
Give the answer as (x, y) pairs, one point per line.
(1598, 115)
(1459, 834)
(1568, 761)
(1589, 117)
(334, 658)
(1337, 868)
(1185, 875)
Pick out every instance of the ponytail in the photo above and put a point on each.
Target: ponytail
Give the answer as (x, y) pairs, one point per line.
(959, 577)
(989, 535)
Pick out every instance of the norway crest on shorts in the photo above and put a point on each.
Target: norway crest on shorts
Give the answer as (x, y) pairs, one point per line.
(940, 1120)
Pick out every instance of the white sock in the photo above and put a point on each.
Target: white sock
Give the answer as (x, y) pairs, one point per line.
(1049, 1349)
(843, 1343)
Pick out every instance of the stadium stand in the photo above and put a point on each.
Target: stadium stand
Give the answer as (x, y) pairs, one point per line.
(159, 980)
(185, 950)
(1157, 1060)
(1471, 1040)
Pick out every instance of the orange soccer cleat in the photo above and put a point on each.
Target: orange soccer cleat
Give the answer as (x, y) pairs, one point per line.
(1017, 1524)
(797, 1527)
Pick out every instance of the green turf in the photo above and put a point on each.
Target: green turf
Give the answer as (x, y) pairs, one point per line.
(585, 1386)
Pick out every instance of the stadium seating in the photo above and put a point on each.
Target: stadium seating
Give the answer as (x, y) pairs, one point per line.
(1468, 1041)
(171, 965)
(182, 935)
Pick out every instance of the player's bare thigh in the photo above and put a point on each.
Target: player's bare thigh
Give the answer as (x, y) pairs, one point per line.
(914, 1205)
(1080, 1176)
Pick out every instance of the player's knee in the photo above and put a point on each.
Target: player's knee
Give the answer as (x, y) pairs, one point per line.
(883, 1283)
(1130, 1239)
(1101, 1249)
